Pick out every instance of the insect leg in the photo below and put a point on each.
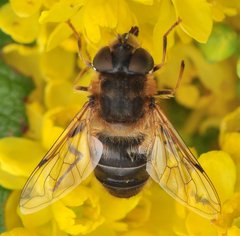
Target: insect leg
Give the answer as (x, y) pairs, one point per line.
(80, 75)
(76, 34)
(157, 67)
(168, 93)
(81, 88)
(134, 30)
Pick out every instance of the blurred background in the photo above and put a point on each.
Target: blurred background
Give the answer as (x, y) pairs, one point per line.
(38, 66)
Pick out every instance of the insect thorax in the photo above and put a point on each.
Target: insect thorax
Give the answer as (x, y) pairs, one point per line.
(121, 97)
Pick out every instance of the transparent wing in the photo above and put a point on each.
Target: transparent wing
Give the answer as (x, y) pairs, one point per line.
(70, 160)
(174, 167)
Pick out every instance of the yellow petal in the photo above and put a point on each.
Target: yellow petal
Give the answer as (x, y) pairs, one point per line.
(145, 20)
(78, 212)
(92, 31)
(58, 35)
(217, 11)
(49, 3)
(166, 19)
(24, 59)
(12, 219)
(54, 122)
(168, 75)
(162, 215)
(197, 225)
(35, 114)
(229, 133)
(230, 213)
(196, 18)
(18, 157)
(61, 11)
(29, 221)
(185, 92)
(23, 30)
(113, 208)
(138, 233)
(234, 231)
(145, 2)
(24, 8)
(10, 181)
(220, 9)
(125, 13)
(213, 76)
(61, 93)
(140, 214)
(221, 169)
(185, 38)
(103, 229)
(57, 64)
(37, 219)
(229, 144)
(20, 232)
(104, 14)
(78, 196)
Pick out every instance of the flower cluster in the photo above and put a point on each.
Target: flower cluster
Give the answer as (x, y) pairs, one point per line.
(45, 49)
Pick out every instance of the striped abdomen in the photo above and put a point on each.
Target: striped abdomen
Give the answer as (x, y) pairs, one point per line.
(122, 169)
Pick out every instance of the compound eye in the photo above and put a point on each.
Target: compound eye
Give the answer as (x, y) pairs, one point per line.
(103, 60)
(141, 62)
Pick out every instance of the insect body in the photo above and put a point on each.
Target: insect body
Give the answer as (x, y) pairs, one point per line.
(123, 136)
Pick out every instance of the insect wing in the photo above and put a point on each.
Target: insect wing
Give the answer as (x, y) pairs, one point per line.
(70, 160)
(173, 166)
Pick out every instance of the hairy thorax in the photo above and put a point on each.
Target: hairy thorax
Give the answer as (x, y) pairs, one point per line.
(122, 98)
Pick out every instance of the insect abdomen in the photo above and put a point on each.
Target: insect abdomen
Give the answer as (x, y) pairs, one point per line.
(122, 182)
(122, 169)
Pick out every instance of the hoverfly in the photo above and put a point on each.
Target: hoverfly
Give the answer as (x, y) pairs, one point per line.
(122, 135)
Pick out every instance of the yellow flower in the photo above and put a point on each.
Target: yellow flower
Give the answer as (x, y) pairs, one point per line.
(221, 9)
(35, 115)
(17, 160)
(186, 91)
(60, 93)
(113, 209)
(222, 171)
(23, 30)
(24, 8)
(137, 233)
(20, 231)
(230, 138)
(39, 223)
(234, 231)
(11, 220)
(58, 64)
(78, 212)
(92, 18)
(53, 122)
(207, 91)
(229, 217)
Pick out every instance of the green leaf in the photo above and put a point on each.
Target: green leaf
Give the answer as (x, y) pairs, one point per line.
(4, 39)
(3, 196)
(221, 44)
(207, 141)
(176, 113)
(14, 89)
(2, 2)
(238, 67)
(238, 88)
